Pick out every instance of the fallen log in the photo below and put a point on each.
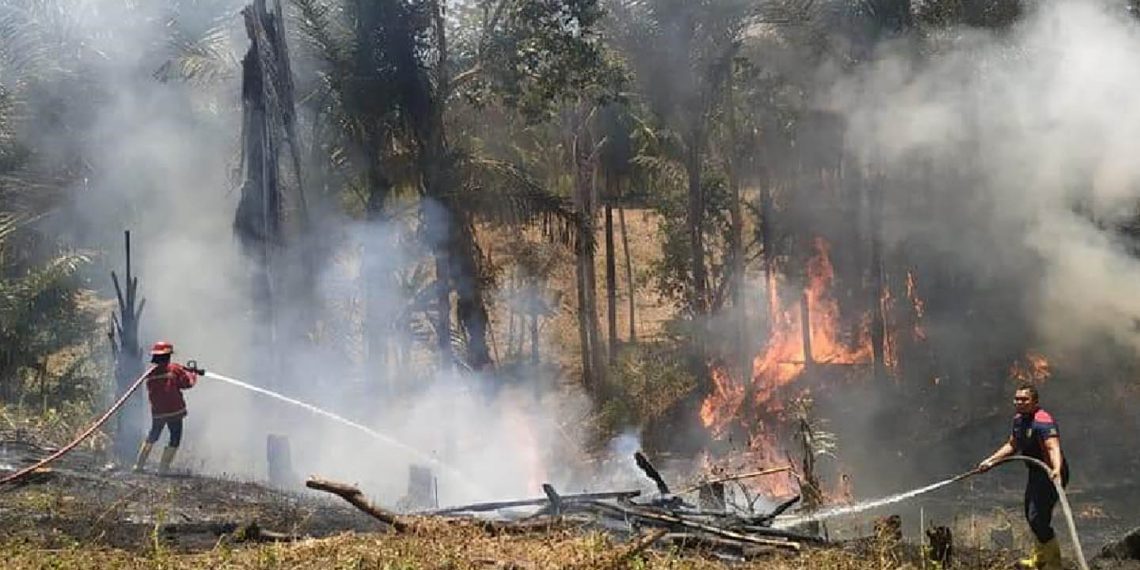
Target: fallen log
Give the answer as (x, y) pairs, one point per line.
(494, 506)
(356, 498)
(780, 533)
(538, 525)
(670, 520)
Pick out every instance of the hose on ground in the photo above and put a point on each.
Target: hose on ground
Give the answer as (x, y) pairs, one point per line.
(1068, 511)
(86, 433)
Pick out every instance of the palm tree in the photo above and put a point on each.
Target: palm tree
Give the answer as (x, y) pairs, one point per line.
(403, 48)
(37, 307)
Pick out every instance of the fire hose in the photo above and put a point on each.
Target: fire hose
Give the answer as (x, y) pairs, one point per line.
(86, 433)
(1064, 500)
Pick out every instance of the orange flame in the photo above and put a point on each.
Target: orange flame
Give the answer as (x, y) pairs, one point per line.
(918, 304)
(1034, 367)
(785, 356)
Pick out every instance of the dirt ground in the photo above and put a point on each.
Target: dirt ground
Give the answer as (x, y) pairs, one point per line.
(85, 515)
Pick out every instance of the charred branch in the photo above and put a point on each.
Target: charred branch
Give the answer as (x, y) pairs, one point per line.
(357, 499)
(651, 472)
(485, 507)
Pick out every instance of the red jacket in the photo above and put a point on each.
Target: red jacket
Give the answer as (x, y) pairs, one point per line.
(164, 386)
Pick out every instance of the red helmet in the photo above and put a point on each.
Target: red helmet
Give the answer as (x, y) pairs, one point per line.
(162, 347)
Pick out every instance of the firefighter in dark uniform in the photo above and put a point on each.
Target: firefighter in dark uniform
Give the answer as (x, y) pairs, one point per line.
(1035, 434)
(164, 386)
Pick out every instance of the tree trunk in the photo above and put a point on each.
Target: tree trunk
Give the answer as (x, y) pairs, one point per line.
(878, 320)
(588, 379)
(611, 278)
(583, 253)
(534, 337)
(695, 223)
(736, 244)
(377, 281)
(599, 352)
(585, 170)
(805, 329)
(470, 304)
(124, 338)
(630, 285)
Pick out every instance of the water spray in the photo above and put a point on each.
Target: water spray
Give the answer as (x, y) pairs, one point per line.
(451, 472)
(786, 522)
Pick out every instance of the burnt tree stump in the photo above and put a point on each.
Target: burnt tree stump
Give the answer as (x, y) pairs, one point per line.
(941, 545)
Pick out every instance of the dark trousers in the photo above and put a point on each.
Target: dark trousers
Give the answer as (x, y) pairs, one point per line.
(175, 425)
(1040, 498)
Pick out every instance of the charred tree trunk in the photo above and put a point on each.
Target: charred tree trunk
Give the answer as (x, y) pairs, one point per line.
(124, 337)
(470, 305)
(268, 124)
(439, 229)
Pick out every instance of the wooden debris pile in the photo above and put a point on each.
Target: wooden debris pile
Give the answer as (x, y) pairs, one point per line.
(666, 518)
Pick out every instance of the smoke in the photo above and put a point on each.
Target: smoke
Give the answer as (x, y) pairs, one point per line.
(1005, 160)
(1042, 118)
(161, 159)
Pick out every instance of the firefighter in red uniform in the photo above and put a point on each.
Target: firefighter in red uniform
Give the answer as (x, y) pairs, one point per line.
(164, 386)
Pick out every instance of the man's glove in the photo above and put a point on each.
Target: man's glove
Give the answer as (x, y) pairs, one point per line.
(192, 366)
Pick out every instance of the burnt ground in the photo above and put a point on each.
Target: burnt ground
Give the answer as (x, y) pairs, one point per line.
(81, 504)
(80, 500)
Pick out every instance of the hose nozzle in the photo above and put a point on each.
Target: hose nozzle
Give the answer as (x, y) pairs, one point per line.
(192, 366)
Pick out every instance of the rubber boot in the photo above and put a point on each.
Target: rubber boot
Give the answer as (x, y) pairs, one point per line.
(1035, 558)
(167, 457)
(1050, 556)
(144, 453)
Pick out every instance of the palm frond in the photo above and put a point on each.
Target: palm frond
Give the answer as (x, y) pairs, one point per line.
(323, 33)
(502, 193)
(9, 223)
(205, 60)
(17, 295)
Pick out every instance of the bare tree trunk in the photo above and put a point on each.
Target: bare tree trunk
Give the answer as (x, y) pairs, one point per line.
(631, 287)
(599, 352)
(377, 281)
(588, 379)
(767, 239)
(878, 320)
(511, 316)
(583, 252)
(534, 337)
(736, 243)
(695, 223)
(805, 330)
(611, 274)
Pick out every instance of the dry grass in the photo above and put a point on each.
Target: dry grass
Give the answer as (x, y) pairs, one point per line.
(440, 543)
(451, 547)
